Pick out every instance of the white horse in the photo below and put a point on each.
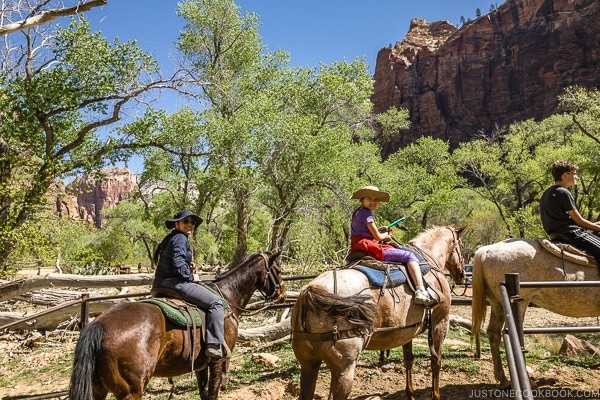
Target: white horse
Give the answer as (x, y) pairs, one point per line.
(339, 314)
(529, 259)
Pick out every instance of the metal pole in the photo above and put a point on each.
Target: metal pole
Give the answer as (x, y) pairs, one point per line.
(518, 356)
(514, 295)
(512, 369)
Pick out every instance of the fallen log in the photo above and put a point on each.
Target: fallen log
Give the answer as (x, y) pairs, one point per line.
(272, 332)
(19, 287)
(49, 321)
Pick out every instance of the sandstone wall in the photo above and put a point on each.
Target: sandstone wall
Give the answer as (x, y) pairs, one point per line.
(86, 197)
(507, 66)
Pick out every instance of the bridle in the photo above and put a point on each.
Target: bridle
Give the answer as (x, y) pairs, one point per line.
(458, 249)
(273, 271)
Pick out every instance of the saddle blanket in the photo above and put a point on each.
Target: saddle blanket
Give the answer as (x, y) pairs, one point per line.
(182, 316)
(397, 277)
(377, 277)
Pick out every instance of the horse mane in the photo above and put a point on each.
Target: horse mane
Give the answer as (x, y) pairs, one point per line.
(233, 269)
(430, 235)
(245, 261)
(357, 309)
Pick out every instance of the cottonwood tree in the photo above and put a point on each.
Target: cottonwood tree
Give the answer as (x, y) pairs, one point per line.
(224, 47)
(58, 99)
(308, 145)
(511, 169)
(423, 180)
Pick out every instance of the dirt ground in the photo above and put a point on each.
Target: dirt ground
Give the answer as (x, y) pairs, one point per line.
(374, 383)
(371, 382)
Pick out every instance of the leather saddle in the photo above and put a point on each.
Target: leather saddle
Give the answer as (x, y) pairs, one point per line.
(175, 309)
(184, 315)
(389, 274)
(566, 251)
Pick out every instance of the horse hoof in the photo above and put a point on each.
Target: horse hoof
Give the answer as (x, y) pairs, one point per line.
(505, 384)
(387, 366)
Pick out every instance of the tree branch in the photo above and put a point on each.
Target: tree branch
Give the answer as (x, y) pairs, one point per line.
(48, 16)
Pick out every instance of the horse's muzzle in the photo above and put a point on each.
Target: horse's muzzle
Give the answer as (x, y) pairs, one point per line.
(280, 294)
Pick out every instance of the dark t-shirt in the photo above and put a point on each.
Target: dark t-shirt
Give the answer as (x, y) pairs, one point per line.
(554, 206)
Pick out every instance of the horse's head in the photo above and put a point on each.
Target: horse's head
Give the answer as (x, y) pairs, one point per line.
(455, 261)
(272, 287)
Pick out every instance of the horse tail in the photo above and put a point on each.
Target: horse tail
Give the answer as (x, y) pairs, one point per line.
(478, 299)
(357, 309)
(84, 363)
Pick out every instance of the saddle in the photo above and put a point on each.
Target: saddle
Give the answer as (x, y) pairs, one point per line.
(567, 252)
(176, 310)
(388, 274)
(184, 315)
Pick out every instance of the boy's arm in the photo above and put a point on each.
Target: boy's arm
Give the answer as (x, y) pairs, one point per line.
(582, 222)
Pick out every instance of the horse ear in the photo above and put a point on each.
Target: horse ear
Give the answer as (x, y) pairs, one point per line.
(461, 228)
(275, 253)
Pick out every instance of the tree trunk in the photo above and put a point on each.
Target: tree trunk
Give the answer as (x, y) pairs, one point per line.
(241, 249)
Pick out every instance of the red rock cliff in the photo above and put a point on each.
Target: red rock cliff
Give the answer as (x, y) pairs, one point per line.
(86, 197)
(507, 66)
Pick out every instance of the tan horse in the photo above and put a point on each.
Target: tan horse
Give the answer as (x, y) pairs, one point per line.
(532, 263)
(339, 314)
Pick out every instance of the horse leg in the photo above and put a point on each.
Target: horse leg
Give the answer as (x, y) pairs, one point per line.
(341, 381)
(408, 358)
(202, 380)
(225, 374)
(383, 356)
(214, 379)
(438, 332)
(309, 371)
(494, 336)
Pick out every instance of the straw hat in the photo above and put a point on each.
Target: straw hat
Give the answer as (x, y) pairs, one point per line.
(179, 215)
(371, 191)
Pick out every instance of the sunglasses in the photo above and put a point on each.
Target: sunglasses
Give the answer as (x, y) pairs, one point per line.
(188, 221)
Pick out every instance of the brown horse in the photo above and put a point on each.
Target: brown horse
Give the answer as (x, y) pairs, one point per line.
(532, 263)
(339, 314)
(131, 342)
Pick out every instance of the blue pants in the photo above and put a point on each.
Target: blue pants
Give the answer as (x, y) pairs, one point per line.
(205, 299)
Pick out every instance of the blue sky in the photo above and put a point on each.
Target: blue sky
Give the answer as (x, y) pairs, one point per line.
(312, 31)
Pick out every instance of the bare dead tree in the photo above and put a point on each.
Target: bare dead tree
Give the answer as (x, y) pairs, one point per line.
(39, 17)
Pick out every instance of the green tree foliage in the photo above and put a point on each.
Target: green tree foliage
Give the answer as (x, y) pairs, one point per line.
(267, 154)
(584, 107)
(423, 179)
(55, 101)
(224, 48)
(511, 169)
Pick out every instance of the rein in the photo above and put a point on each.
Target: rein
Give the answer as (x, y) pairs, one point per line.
(271, 270)
(456, 248)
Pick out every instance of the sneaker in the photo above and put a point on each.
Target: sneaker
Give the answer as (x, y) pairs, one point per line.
(422, 297)
(214, 352)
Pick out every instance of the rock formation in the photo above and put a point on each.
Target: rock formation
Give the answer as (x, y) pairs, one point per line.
(507, 66)
(86, 197)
